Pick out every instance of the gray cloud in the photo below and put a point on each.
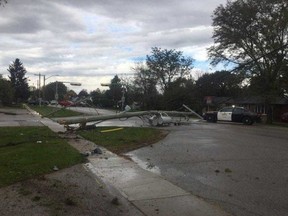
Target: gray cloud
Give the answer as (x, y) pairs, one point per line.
(93, 38)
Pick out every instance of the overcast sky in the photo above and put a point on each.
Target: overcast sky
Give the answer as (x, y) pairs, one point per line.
(91, 41)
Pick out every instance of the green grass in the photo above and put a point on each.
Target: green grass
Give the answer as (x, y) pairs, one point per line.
(54, 112)
(125, 140)
(26, 152)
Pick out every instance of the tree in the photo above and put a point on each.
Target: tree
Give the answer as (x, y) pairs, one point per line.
(220, 84)
(18, 81)
(129, 89)
(180, 92)
(83, 93)
(145, 87)
(99, 99)
(50, 91)
(115, 90)
(168, 65)
(6, 92)
(254, 35)
(70, 94)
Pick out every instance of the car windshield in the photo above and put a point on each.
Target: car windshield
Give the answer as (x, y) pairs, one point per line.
(226, 109)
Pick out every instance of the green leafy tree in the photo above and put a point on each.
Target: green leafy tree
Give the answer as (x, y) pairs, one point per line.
(70, 94)
(96, 97)
(129, 89)
(168, 65)
(19, 81)
(6, 92)
(50, 91)
(220, 84)
(254, 35)
(145, 87)
(99, 99)
(180, 92)
(115, 91)
(83, 93)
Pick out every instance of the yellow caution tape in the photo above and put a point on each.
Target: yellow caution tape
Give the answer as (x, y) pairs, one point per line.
(111, 130)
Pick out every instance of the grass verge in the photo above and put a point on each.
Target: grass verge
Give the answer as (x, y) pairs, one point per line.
(26, 152)
(54, 112)
(123, 140)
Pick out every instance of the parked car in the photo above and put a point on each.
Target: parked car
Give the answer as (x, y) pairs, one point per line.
(66, 103)
(232, 114)
(37, 102)
(44, 102)
(32, 102)
(54, 102)
(161, 119)
(284, 117)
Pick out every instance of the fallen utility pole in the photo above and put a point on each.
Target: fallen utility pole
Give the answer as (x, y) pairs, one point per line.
(192, 111)
(85, 119)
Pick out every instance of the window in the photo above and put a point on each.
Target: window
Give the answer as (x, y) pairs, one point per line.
(238, 111)
(226, 109)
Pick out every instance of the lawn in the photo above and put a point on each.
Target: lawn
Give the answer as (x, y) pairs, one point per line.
(121, 140)
(26, 152)
(54, 112)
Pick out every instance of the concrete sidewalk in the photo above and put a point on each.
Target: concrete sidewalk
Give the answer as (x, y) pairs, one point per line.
(149, 192)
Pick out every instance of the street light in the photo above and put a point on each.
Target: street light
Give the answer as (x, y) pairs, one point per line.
(75, 84)
(44, 79)
(48, 78)
(39, 86)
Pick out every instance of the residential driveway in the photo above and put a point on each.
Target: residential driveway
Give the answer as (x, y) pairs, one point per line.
(243, 169)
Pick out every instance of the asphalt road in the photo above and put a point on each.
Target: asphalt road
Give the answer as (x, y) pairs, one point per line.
(243, 169)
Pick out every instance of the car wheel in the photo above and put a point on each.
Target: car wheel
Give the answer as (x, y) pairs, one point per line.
(160, 121)
(211, 118)
(247, 121)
